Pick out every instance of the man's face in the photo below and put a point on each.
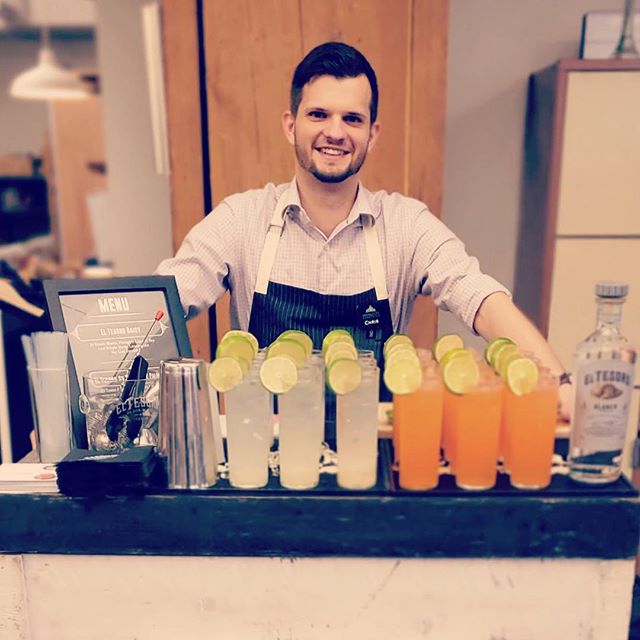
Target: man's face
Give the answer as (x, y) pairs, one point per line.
(332, 130)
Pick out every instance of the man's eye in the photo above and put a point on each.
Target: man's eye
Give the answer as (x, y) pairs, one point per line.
(353, 119)
(317, 115)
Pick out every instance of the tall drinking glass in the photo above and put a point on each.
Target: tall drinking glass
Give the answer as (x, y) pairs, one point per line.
(357, 431)
(249, 412)
(49, 388)
(476, 419)
(301, 418)
(418, 419)
(530, 423)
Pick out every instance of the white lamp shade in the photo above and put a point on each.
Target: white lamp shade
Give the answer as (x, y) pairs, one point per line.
(48, 81)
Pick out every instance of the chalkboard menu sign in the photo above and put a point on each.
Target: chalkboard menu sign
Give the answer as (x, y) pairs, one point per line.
(110, 321)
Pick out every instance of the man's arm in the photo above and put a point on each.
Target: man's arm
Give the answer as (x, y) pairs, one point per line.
(202, 264)
(498, 316)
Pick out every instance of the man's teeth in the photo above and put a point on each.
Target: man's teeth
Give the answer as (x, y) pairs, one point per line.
(332, 152)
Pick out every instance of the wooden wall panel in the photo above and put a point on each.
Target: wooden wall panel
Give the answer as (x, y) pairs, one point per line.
(182, 83)
(426, 129)
(251, 48)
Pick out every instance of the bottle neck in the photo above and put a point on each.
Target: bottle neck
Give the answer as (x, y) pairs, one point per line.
(609, 313)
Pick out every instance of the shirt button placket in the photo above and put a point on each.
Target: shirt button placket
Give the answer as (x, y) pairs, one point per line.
(321, 271)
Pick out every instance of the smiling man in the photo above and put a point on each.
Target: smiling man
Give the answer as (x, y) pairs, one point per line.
(322, 251)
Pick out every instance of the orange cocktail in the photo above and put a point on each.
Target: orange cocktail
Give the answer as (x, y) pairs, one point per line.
(530, 421)
(476, 431)
(417, 423)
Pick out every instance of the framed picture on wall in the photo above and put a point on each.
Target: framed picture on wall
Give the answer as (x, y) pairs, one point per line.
(111, 321)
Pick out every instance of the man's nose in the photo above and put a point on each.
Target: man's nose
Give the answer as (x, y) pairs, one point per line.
(334, 128)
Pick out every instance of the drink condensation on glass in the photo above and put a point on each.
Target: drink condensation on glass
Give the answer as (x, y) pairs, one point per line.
(476, 417)
(249, 414)
(357, 431)
(530, 422)
(301, 419)
(418, 420)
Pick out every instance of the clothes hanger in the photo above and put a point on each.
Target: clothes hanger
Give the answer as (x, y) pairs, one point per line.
(9, 295)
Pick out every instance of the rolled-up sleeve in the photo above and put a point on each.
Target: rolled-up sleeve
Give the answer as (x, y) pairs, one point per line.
(443, 269)
(203, 262)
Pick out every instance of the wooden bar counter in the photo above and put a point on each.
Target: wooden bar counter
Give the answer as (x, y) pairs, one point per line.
(327, 563)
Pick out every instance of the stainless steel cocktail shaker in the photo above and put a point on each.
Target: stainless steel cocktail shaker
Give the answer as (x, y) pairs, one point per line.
(185, 430)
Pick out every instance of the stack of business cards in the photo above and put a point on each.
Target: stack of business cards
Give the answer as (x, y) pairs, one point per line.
(28, 477)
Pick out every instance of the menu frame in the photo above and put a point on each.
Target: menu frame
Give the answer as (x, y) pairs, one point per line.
(54, 289)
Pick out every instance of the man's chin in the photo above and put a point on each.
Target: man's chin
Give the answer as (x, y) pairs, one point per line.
(333, 178)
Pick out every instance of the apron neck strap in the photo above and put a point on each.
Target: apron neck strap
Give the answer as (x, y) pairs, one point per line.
(268, 256)
(375, 258)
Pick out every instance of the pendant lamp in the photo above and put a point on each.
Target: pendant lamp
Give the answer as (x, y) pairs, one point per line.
(48, 80)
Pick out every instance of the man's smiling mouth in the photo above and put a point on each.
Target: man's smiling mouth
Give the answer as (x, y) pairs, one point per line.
(330, 151)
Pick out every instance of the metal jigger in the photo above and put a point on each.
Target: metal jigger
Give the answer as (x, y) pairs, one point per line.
(185, 432)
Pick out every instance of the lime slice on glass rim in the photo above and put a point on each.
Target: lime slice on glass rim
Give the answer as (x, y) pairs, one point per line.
(279, 374)
(225, 373)
(446, 343)
(299, 336)
(288, 347)
(501, 353)
(243, 334)
(460, 375)
(402, 376)
(336, 335)
(522, 376)
(403, 356)
(456, 352)
(339, 350)
(396, 348)
(492, 347)
(235, 347)
(505, 361)
(395, 339)
(344, 375)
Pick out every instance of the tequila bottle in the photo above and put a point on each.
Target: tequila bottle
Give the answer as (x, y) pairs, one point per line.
(603, 377)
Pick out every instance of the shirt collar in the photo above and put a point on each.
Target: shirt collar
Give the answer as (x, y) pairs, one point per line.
(289, 204)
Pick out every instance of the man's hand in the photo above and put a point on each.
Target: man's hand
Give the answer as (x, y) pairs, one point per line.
(565, 402)
(498, 316)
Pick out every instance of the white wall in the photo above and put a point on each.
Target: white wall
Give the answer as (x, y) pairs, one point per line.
(138, 198)
(493, 47)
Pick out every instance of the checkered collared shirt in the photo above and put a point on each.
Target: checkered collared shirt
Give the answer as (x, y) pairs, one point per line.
(421, 255)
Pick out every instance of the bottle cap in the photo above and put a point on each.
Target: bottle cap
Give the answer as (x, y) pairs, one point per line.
(608, 289)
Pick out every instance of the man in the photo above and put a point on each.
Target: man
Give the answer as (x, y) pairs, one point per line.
(324, 252)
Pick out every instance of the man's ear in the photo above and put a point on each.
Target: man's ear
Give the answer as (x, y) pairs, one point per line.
(288, 126)
(373, 135)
